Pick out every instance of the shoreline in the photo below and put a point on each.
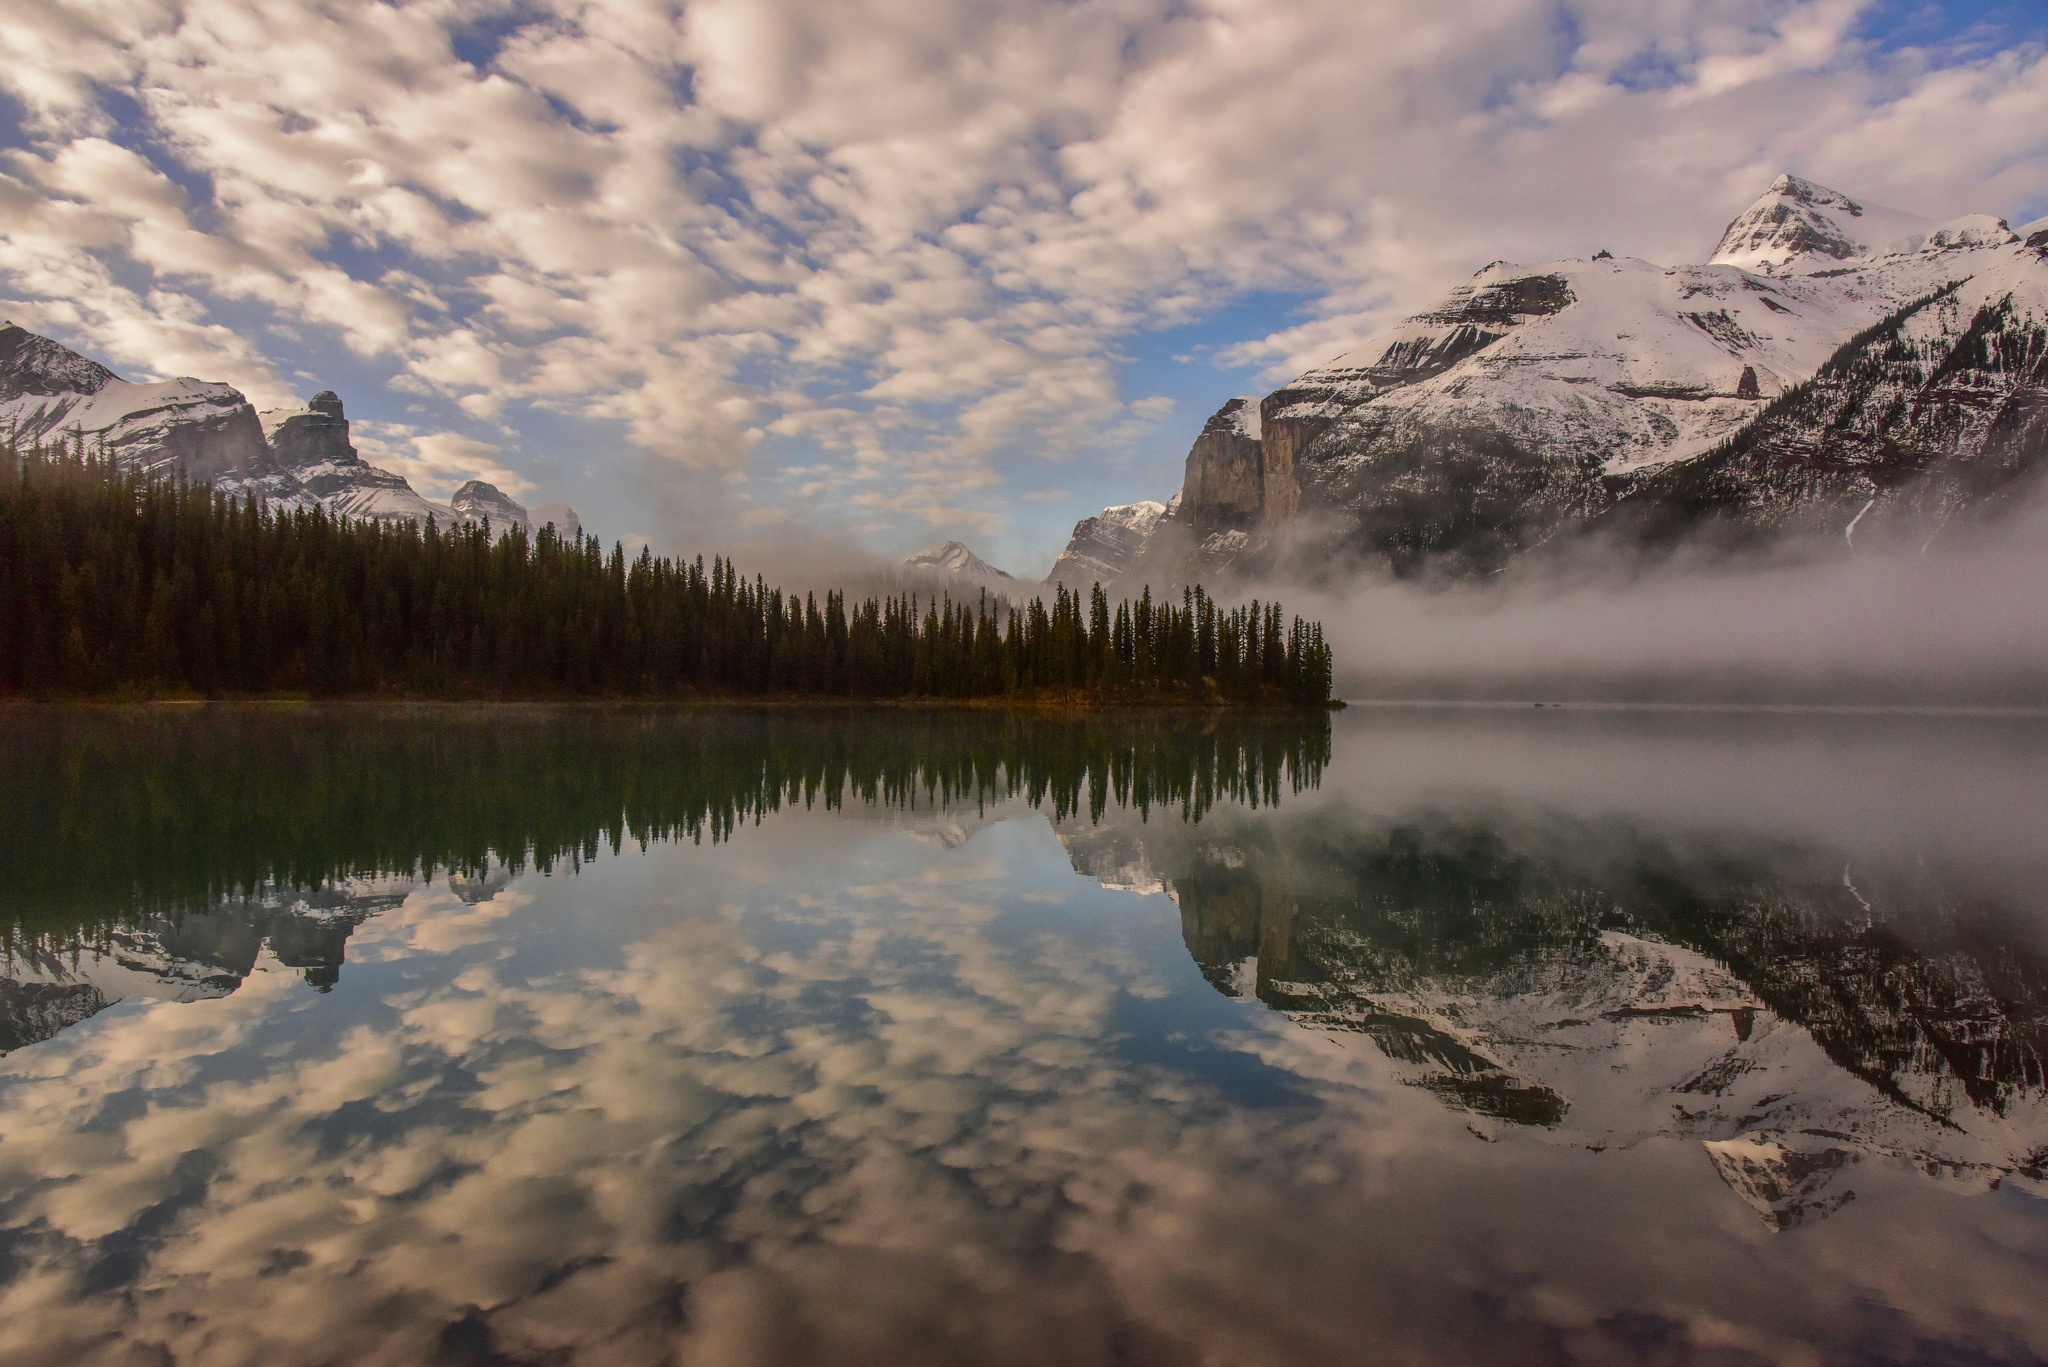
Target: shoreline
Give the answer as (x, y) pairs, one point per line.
(1040, 706)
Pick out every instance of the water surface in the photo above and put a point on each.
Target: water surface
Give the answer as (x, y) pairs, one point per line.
(372, 1035)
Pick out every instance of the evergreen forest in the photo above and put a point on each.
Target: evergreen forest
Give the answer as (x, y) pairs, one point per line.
(114, 581)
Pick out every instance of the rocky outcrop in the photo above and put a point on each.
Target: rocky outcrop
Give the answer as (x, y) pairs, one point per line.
(311, 446)
(1225, 483)
(317, 434)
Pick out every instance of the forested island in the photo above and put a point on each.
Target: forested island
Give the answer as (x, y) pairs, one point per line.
(116, 582)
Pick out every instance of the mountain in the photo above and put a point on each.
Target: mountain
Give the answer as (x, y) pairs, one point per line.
(1105, 548)
(48, 392)
(956, 569)
(291, 458)
(1796, 221)
(1534, 399)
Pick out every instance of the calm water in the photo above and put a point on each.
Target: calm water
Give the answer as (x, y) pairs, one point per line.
(1415, 1036)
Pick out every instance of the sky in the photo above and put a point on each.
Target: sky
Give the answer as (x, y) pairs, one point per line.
(879, 273)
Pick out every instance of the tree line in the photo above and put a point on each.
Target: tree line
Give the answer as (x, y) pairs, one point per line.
(111, 579)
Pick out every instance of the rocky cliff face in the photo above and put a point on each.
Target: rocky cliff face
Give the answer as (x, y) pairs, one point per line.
(311, 446)
(1225, 485)
(1533, 398)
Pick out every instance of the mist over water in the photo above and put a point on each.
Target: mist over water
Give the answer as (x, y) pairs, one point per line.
(624, 1035)
(1958, 617)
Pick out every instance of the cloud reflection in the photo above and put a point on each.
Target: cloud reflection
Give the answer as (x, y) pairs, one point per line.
(834, 1093)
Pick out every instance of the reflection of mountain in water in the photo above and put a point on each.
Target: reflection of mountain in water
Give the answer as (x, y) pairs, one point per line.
(1794, 1019)
(53, 980)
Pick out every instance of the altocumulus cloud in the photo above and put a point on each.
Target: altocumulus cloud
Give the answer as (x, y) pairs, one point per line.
(880, 262)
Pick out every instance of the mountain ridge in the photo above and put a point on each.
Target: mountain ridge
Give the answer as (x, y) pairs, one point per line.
(1535, 399)
(210, 432)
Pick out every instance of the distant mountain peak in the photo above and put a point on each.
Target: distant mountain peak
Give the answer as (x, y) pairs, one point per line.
(32, 364)
(953, 557)
(955, 562)
(1797, 220)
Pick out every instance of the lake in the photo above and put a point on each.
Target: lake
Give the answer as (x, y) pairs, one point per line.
(1409, 1035)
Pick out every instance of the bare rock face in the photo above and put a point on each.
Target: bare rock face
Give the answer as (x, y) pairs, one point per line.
(314, 435)
(51, 394)
(1225, 484)
(480, 502)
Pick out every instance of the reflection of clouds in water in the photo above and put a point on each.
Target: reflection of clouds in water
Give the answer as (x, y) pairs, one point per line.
(433, 920)
(853, 1104)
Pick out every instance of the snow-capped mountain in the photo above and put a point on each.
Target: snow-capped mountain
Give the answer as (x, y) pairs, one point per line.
(49, 392)
(291, 458)
(1533, 397)
(953, 568)
(1797, 221)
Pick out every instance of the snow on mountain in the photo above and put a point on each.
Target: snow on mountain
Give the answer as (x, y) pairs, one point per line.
(290, 458)
(1940, 410)
(1533, 396)
(51, 394)
(958, 570)
(1104, 548)
(482, 503)
(1795, 223)
(312, 446)
(50, 984)
(1792, 1030)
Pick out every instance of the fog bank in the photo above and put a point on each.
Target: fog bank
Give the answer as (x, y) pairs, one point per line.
(1958, 621)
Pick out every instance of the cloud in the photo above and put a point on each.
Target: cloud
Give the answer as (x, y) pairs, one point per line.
(902, 238)
(435, 463)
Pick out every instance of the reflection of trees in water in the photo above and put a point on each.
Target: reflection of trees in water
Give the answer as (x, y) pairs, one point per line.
(118, 812)
(1504, 963)
(180, 842)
